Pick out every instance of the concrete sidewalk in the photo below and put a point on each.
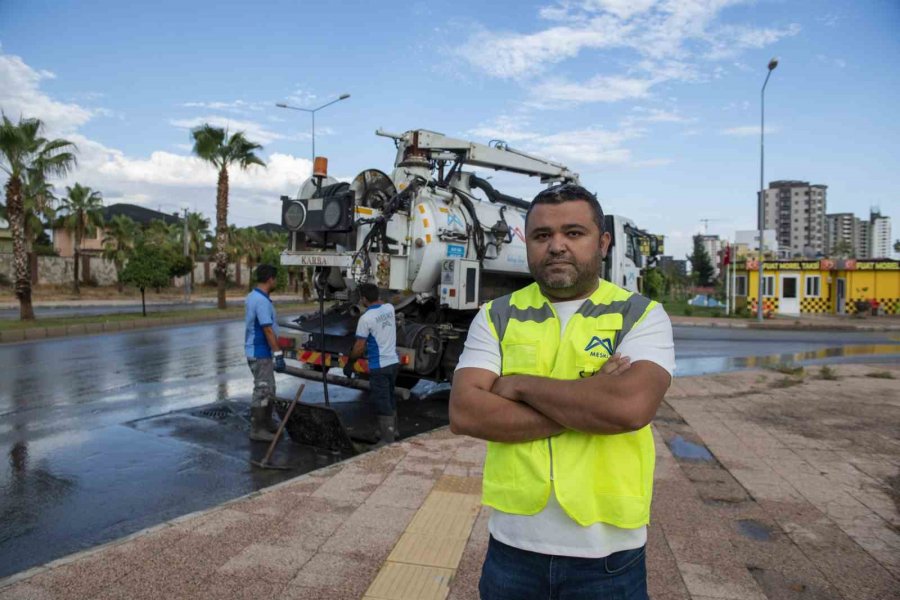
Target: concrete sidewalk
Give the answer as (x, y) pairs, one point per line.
(767, 486)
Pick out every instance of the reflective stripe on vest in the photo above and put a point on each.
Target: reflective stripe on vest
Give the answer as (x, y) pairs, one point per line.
(597, 478)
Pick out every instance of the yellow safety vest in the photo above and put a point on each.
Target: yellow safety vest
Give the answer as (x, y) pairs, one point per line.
(598, 478)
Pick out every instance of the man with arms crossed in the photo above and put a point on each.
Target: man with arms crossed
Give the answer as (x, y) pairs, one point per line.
(562, 378)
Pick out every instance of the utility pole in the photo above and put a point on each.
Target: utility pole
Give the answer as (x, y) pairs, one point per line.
(313, 111)
(762, 190)
(187, 277)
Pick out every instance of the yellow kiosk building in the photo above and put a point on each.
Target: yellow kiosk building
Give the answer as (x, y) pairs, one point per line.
(826, 286)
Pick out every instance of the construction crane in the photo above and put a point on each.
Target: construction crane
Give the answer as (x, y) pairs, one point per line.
(706, 223)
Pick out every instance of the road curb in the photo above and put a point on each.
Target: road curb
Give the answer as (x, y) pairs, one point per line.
(14, 336)
(789, 326)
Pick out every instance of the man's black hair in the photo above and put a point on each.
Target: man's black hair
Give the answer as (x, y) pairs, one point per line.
(568, 192)
(369, 291)
(265, 272)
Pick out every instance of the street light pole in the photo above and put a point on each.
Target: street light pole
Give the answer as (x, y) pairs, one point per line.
(187, 278)
(762, 191)
(312, 111)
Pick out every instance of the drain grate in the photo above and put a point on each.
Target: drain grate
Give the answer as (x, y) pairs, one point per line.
(219, 414)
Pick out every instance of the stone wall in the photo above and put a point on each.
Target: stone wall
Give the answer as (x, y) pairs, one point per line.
(57, 270)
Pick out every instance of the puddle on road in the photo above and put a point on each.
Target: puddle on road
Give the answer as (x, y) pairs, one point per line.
(688, 367)
(754, 530)
(686, 450)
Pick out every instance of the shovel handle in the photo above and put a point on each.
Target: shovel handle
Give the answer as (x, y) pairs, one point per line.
(281, 425)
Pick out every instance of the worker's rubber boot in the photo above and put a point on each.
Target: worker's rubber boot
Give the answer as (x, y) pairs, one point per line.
(388, 430)
(271, 426)
(258, 430)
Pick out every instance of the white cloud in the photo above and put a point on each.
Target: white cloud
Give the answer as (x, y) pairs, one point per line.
(253, 130)
(598, 89)
(656, 115)
(20, 95)
(667, 36)
(748, 130)
(588, 146)
(235, 106)
(162, 179)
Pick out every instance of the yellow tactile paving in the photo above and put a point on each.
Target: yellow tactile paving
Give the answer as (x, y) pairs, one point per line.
(426, 556)
(453, 503)
(427, 549)
(399, 581)
(460, 485)
(442, 523)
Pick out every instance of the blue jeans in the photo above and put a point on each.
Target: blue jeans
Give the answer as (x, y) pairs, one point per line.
(381, 389)
(513, 574)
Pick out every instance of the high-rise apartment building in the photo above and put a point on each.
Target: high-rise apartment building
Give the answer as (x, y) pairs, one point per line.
(880, 231)
(846, 235)
(796, 211)
(863, 240)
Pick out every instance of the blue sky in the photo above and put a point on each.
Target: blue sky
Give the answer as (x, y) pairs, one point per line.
(654, 102)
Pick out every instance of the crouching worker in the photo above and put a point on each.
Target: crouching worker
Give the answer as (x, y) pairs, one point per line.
(263, 354)
(376, 339)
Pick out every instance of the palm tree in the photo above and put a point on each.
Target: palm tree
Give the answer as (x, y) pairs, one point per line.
(38, 202)
(84, 214)
(198, 232)
(121, 234)
(213, 145)
(24, 154)
(160, 234)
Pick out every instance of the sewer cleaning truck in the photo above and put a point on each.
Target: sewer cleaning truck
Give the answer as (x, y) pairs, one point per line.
(435, 236)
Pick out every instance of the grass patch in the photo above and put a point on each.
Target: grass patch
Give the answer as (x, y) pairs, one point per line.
(682, 309)
(198, 314)
(880, 375)
(789, 369)
(827, 373)
(786, 382)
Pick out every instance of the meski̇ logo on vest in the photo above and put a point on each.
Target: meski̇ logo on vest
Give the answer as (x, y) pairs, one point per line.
(605, 344)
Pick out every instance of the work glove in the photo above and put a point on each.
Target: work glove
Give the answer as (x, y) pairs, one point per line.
(280, 366)
(348, 370)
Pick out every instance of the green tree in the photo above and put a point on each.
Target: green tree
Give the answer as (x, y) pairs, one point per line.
(198, 233)
(272, 256)
(654, 284)
(213, 145)
(147, 268)
(897, 246)
(160, 234)
(118, 243)
(701, 265)
(25, 153)
(39, 201)
(843, 249)
(84, 214)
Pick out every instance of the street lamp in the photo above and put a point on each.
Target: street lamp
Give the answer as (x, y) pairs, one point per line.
(187, 252)
(313, 111)
(762, 192)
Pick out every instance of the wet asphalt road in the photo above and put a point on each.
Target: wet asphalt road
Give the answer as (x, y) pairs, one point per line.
(102, 437)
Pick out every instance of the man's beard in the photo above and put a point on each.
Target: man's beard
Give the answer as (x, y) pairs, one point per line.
(563, 275)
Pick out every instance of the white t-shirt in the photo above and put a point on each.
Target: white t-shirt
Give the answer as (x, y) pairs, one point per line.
(552, 531)
(378, 326)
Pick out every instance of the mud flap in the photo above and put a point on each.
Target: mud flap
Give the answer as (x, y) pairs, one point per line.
(317, 426)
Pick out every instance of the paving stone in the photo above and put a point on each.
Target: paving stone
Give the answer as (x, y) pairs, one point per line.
(265, 561)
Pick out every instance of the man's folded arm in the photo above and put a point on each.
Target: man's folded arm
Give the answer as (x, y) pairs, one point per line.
(598, 404)
(477, 412)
